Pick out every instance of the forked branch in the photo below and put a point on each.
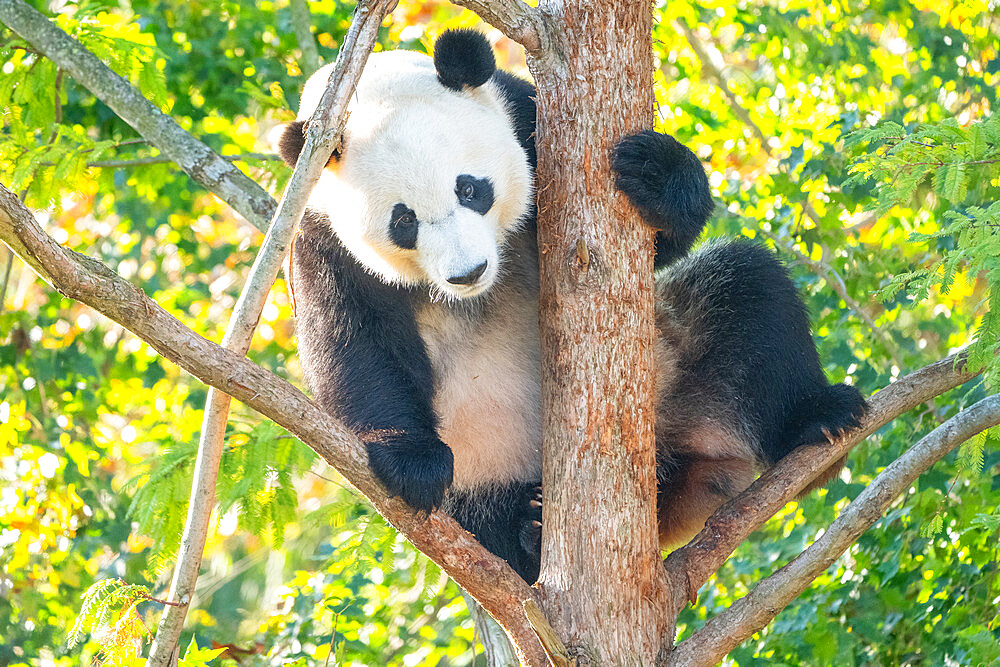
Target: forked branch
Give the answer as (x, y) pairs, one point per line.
(751, 613)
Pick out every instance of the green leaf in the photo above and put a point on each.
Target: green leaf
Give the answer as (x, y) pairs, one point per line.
(196, 657)
(933, 527)
(970, 454)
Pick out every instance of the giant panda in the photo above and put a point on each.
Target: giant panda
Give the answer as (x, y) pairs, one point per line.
(415, 282)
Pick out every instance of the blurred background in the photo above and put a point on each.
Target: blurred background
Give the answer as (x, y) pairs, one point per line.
(856, 138)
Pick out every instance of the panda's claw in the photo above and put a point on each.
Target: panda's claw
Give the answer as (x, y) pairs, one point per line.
(531, 524)
(419, 473)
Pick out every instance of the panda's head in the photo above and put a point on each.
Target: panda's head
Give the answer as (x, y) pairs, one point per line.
(430, 177)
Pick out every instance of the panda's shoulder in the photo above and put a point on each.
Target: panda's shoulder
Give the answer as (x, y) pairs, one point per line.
(518, 97)
(320, 258)
(326, 269)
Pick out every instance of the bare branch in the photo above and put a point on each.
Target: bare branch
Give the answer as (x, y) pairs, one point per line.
(325, 128)
(199, 161)
(522, 23)
(751, 613)
(488, 578)
(161, 159)
(690, 566)
(301, 22)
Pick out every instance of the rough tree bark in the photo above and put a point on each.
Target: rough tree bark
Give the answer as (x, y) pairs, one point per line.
(595, 85)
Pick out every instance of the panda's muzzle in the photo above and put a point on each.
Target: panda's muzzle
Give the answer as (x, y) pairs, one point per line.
(471, 277)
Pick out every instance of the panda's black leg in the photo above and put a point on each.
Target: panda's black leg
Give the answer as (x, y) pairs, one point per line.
(506, 520)
(667, 183)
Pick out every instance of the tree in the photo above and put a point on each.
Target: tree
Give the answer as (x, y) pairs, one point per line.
(595, 260)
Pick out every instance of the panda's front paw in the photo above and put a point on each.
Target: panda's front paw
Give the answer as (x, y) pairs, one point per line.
(419, 473)
(530, 533)
(665, 181)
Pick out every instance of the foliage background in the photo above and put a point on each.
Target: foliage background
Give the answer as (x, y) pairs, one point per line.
(779, 98)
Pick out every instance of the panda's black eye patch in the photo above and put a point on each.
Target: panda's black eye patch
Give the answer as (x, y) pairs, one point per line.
(403, 226)
(474, 193)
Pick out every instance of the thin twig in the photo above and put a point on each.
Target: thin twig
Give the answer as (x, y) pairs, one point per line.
(302, 22)
(150, 598)
(754, 611)
(836, 282)
(58, 104)
(22, 48)
(6, 278)
(734, 103)
(202, 163)
(721, 81)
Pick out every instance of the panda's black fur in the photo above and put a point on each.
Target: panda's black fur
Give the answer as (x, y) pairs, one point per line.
(740, 383)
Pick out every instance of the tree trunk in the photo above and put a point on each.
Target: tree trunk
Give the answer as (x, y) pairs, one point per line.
(602, 582)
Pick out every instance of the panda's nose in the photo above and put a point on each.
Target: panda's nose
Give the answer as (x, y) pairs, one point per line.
(470, 277)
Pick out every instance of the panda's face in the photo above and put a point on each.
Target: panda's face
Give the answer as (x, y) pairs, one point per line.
(429, 181)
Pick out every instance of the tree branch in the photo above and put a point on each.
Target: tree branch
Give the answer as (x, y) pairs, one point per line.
(325, 128)
(198, 160)
(522, 23)
(301, 22)
(755, 610)
(690, 566)
(488, 578)
(160, 159)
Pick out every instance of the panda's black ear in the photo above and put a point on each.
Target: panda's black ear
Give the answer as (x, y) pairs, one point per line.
(293, 138)
(463, 57)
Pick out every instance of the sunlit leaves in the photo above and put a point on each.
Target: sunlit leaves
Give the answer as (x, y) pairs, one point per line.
(962, 165)
(256, 479)
(109, 609)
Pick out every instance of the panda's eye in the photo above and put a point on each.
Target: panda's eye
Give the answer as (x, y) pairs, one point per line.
(473, 193)
(403, 226)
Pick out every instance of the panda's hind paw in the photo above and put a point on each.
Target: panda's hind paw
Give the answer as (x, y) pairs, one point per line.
(531, 522)
(419, 473)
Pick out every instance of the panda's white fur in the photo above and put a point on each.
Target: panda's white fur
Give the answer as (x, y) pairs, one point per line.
(396, 149)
